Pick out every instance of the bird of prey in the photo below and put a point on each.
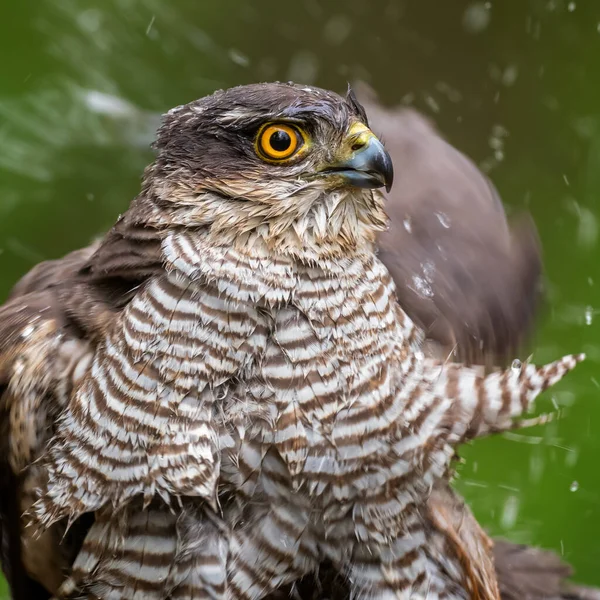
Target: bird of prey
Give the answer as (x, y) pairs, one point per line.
(224, 392)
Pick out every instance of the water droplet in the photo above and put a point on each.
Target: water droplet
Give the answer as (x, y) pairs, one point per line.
(432, 103)
(428, 268)
(90, 20)
(588, 228)
(571, 457)
(450, 93)
(408, 99)
(27, 331)
(536, 467)
(149, 28)
(407, 225)
(510, 512)
(304, 67)
(499, 131)
(422, 287)
(238, 57)
(589, 315)
(444, 219)
(510, 74)
(476, 17)
(495, 143)
(108, 104)
(337, 29)
(574, 486)
(517, 365)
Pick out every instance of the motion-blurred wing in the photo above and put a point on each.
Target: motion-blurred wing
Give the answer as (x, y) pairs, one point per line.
(466, 276)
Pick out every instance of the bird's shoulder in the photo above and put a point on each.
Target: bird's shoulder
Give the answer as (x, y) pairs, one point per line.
(51, 322)
(78, 295)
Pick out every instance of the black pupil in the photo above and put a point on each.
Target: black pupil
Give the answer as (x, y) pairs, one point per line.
(280, 141)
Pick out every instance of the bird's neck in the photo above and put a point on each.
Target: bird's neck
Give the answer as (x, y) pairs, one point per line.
(253, 273)
(309, 226)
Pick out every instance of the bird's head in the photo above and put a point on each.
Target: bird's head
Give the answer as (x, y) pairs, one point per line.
(292, 168)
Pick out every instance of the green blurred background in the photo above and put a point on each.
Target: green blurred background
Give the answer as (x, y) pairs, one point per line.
(513, 83)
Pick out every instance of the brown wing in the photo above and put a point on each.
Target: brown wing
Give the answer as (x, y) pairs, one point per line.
(51, 320)
(535, 574)
(464, 538)
(35, 344)
(461, 271)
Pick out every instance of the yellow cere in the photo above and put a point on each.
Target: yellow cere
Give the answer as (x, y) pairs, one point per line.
(359, 134)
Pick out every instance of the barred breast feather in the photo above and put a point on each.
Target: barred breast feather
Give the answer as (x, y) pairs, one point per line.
(297, 396)
(142, 422)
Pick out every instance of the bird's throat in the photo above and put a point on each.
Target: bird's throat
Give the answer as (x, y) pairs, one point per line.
(310, 225)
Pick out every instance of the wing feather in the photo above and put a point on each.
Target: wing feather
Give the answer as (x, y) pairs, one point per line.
(49, 326)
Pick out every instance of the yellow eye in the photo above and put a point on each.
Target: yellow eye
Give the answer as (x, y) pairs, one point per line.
(279, 141)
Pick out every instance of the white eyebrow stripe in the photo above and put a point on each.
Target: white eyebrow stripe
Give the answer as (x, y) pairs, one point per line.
(235, 115)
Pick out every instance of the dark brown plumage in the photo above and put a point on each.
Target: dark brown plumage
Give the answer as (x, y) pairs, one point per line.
(208, 187)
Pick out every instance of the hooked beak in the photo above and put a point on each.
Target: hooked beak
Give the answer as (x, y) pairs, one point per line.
(366, 163)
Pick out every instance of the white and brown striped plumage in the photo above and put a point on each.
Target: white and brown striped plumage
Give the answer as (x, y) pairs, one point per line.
(243, 397)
